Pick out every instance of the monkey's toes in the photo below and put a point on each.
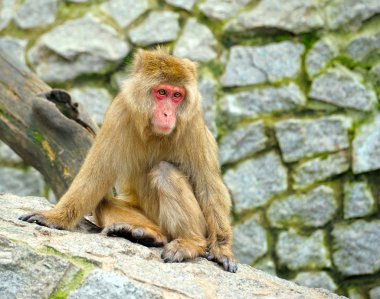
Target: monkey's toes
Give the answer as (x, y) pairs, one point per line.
(140, 235)
(38, 219)
(229, 264)
(175, 252)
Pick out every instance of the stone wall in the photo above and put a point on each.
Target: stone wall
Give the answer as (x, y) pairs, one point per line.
(290, 91)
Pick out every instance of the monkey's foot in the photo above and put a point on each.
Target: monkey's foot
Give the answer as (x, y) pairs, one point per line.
(39, 219)
(180, 249)
(224, 257)
(141, 235)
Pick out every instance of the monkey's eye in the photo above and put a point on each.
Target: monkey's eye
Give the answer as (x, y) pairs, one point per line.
(177, 94)
(162, 92)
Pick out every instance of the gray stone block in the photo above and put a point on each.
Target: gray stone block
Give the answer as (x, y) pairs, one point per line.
(7, 10)
(158, 27)
(320, 169)
(356, 247)
(243, 142)
(250, 241)
(222, 9)
(185, 4)
(80, 46)
(125, 12)
(302, 138)
(319, 56)
(312, 209)
(21, 182)
(257, 180)
(297, 16)
(358, 200)
(208, 88)
(269, 63)
(366, 147)
(36, 13)
(298, 252)
(196, 42)
(316, 280)
(263, 101)
(343, 88)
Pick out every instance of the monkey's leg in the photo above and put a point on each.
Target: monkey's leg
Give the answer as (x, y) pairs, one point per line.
(180, 216)
(128, 222)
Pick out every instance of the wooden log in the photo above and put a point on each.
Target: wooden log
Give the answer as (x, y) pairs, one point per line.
(42, 125)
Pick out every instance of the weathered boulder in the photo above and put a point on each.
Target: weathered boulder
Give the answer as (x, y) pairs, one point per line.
(38, 262)
(269, 63)
(254, 182)
(80, 46)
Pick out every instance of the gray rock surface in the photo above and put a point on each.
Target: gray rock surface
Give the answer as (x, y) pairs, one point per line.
(343, 88)
(80, 46)
(158, 27)
(250, 241)
(302, 138)
(269, 63)
(13, 47)
(312, 209)
(137, 269)
(320, 169)
(21, 182)
(303, 252)
(267, 265)
(125, 12)
(110, 285)
(297, 16)
(208, 87)
(94, 101)
(222, 9)
(358, 200)
(263, 101)
(185, 4)
(349, 14)
(366, 147)
(196, 42)
(7, 155)
(364, 47)
(36, 13)
(356, 247)
(25, 273)
(243, 142)
(316, 280)
(319, 56)
(374, 293)
(7, 9)
(255, 181)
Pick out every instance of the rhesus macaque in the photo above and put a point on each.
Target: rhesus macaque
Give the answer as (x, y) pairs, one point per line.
(155, 148)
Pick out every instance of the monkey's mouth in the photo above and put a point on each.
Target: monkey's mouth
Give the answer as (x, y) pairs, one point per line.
(162, 129)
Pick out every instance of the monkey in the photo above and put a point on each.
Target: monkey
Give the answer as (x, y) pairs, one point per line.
(156, 150)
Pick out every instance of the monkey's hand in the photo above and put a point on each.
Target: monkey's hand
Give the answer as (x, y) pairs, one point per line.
(222, 254)
(42, 218)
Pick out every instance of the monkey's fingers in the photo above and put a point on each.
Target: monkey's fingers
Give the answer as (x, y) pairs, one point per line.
(138, 235)
(38, 219)
(229, 264)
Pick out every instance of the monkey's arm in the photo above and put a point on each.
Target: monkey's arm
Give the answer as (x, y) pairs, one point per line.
(215, 203)
(94, 180)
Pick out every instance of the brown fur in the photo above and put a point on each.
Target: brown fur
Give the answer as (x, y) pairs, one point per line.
(169, 187)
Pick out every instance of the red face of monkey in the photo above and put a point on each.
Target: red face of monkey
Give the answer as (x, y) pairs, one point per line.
(166, 98)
